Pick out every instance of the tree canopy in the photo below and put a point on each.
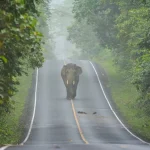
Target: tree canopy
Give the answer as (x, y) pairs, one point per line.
(20, 45)
(123, 27)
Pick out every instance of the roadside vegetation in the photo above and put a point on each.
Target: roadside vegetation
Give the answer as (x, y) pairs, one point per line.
(21, 51)
(10, 125)
(125, 96)
(115, 33)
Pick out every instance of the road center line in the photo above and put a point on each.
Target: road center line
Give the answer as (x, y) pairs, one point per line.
(76, 119)
(77, 122)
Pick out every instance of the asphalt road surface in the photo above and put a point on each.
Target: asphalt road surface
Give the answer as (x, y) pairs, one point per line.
(54, 125)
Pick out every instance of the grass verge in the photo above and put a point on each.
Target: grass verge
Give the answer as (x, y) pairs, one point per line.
(10, 127)
(125, 98)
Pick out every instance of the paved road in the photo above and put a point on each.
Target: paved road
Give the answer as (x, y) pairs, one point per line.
(54, 125)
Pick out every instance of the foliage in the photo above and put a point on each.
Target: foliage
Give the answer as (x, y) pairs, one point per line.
(123, 27)
(134, 31)
(83, 36)
(20, 45)
(125, 97)
(12, 124)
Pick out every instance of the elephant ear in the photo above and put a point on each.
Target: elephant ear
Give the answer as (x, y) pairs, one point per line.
(78, 70)
(63, 71)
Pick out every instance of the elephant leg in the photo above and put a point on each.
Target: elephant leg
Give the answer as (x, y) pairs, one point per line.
(74, 95)
(74, 92)
(68, 94)
(71, 92)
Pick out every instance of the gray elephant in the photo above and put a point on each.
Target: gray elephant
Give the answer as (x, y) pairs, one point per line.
(70, 75)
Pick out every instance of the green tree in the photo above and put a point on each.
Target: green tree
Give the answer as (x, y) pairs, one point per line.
(83, 37)
(20, 45)
(123, 27)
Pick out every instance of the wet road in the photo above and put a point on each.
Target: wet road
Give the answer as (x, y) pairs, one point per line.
(54, 125)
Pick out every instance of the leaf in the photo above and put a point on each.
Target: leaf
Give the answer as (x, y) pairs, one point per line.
(1, 88)
(3, 31)
(19, 1)
(1, 101)
(1, 44)
(4, 59)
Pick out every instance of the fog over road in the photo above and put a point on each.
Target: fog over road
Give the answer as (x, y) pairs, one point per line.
(54, 126)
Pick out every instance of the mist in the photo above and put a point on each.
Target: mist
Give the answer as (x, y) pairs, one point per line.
(61, 18)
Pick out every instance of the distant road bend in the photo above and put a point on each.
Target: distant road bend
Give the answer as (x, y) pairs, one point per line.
(54, 125)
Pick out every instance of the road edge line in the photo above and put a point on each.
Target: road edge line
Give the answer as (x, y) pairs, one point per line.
(30, 128)
(113, 110)
(35, 100)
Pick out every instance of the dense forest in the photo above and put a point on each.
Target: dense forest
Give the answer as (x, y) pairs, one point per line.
(123, 28)
(24, 40)
(20, 44)
(118, 28)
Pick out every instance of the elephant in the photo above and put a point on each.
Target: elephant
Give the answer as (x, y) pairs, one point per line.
(70, 75)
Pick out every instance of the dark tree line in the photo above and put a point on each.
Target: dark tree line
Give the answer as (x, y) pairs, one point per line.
(124, 28)
(20, 45)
